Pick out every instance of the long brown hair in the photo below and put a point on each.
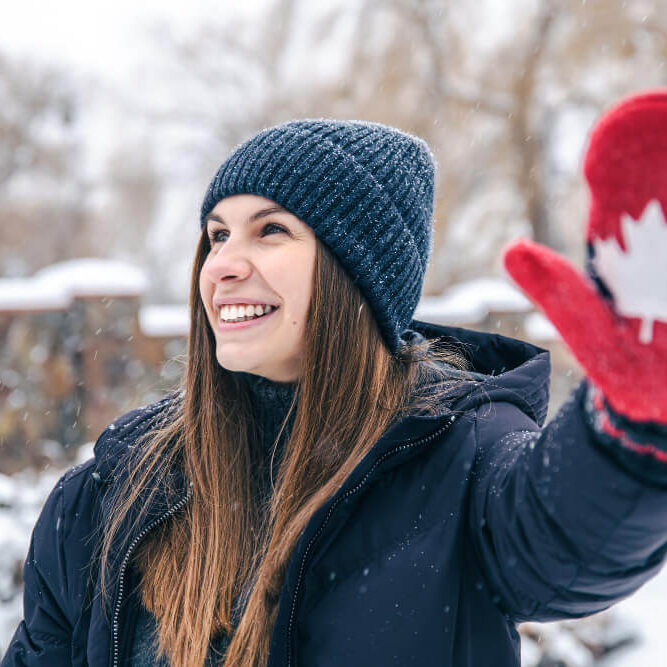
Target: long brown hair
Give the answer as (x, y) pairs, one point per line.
(227, 543)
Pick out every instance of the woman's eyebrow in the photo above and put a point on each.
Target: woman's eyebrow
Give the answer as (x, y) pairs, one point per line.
(255, 216)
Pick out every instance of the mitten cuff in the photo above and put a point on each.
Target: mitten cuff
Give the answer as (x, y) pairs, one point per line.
(639, 447)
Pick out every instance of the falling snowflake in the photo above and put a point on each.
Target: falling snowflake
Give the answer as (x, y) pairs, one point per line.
(638, 277)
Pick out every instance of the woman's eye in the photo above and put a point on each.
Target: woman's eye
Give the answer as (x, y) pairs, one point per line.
(215, 235)
(273, 226)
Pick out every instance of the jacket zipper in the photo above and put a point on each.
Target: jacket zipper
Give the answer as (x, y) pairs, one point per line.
(353, 490)
(126, 559)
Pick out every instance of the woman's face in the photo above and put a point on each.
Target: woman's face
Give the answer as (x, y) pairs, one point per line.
(260, 254)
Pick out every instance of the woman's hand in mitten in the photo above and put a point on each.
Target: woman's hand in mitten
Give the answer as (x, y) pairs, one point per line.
(614, 317)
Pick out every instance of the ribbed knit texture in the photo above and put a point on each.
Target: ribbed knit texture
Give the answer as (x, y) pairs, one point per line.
(367, 191)
(271, 401)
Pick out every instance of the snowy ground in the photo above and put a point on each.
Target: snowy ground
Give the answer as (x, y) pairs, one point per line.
(640, 617)
(646, 610)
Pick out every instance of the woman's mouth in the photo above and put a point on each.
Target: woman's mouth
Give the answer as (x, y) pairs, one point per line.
(245, 321)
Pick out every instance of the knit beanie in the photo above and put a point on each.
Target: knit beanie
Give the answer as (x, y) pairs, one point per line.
(367, 191)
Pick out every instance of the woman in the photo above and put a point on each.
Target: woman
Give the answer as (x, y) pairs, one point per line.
(336, 483)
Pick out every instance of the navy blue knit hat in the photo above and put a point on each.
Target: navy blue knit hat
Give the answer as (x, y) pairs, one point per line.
(367, 191)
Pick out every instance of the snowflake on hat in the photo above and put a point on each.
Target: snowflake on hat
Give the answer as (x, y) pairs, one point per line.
(614, 317)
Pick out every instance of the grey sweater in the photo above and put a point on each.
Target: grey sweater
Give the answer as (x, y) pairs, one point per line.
(271, 400)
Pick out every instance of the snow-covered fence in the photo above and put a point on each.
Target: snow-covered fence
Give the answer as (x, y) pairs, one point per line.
(77, 350)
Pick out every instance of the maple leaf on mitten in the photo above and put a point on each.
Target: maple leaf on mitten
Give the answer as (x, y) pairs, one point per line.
(614, 317)
(637, 277)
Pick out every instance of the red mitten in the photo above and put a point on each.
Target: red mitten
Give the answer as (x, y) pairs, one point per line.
(614, 318)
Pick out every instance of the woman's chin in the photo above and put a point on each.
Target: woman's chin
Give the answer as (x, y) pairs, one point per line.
(236, 365)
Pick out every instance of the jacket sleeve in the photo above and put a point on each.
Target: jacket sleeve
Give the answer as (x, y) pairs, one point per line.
(561, 528)
(43, 637)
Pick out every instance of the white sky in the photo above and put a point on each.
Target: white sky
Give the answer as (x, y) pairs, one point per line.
(102, 36)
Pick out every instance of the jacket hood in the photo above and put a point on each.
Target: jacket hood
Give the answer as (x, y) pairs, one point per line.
(504, 368)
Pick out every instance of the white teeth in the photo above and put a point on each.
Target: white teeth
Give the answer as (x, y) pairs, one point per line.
(229, 313)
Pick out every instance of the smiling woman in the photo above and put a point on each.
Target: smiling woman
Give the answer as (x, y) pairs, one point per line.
(278, 411)
(335, 483)
(257, 260)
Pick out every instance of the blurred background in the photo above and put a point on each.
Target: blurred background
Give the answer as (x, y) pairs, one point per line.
(115, 115)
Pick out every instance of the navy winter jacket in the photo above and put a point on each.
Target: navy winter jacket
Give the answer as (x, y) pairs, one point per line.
(447, 534)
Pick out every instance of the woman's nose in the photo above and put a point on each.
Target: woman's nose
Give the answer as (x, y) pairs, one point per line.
(232, 261)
